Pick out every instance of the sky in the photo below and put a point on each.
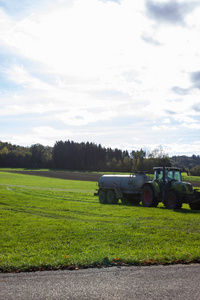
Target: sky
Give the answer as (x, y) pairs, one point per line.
(124, 74)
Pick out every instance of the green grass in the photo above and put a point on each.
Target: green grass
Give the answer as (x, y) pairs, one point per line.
(50, 223)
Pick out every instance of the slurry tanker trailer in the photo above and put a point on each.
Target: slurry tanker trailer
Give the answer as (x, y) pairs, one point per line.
(167, 187)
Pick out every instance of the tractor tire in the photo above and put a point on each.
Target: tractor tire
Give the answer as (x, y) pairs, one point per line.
(102, 197)
(148, 198)
(195, 206)
(111, 197)
(172, 201)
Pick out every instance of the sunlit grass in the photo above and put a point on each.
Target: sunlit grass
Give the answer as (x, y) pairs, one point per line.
(52, 223)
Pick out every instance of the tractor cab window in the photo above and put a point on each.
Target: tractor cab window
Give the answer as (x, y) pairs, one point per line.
(168, 176)
(177, 175)
(172, 175)
(158, 175)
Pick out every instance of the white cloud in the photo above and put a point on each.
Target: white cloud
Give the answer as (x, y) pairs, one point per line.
(6, 24)
(164, 127)
(183, 148)
(44, 135)
(78, 117)
(167, 121)
(50, 133)
(102, 70)
(191, 126)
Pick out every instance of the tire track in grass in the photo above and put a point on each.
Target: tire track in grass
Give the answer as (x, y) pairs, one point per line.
(62, 217)
(43, 188)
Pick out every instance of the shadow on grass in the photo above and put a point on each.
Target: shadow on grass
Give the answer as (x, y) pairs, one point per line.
(183, 210)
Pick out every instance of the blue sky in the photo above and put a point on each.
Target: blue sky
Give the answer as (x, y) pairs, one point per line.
(125, 74)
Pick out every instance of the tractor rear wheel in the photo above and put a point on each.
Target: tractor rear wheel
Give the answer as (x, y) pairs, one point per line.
(102, 197)
(111, 197)
(148, 198)
(172, 201)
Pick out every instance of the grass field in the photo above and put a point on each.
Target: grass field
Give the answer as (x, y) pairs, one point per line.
(48, 223)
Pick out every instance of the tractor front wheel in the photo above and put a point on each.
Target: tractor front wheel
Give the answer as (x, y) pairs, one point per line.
(148, 198)
(196, 205)
(172, 201)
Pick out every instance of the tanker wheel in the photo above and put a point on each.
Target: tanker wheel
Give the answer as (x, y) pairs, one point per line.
(102, 197)
(172, 201)
(195, 206)
(148, 198)
(111, 197)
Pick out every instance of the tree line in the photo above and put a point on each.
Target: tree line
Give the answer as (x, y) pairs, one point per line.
(191, 164)
(69, 155)
(36, 156)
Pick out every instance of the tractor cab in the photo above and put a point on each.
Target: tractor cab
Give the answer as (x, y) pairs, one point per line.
(166, 175)
(166, 180)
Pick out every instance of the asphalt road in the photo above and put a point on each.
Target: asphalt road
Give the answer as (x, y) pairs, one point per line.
(154, 282)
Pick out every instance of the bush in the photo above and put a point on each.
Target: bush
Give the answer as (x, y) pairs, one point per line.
(195, 171)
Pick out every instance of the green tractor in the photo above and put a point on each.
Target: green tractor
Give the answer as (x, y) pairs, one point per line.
(168, 187)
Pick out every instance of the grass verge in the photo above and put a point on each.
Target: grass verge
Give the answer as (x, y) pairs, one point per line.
(48, 223)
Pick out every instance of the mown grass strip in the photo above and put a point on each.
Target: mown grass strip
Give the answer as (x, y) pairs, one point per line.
(50, 223)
